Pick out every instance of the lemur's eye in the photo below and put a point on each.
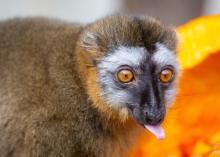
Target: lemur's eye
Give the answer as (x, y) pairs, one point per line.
(166, 75)
(125, 75)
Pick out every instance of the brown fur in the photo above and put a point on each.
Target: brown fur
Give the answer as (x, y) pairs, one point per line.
(49, 96)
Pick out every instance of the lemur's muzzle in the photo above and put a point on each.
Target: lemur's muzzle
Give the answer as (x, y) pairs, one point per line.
(150, 117)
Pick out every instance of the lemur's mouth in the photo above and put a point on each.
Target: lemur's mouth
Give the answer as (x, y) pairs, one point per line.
(150, 119)
(157, 130)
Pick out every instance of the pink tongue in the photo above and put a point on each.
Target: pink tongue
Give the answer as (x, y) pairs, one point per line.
(156, 130)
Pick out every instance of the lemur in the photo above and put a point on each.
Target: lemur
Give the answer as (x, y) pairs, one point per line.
(77, 90)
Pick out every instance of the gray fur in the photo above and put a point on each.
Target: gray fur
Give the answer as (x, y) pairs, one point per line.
(134, 57)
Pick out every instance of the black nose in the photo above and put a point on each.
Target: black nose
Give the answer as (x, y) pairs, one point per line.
(154, 117)
(152, 120)
(149, 115)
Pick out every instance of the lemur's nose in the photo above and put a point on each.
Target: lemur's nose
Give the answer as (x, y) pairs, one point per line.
(154, 117)
(154, 120)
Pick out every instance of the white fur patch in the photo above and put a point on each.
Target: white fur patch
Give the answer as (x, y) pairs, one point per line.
(132, 56)
(169, 96)
(163, 56)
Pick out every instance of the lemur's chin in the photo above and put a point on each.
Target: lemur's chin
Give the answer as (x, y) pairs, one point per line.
(157, 130)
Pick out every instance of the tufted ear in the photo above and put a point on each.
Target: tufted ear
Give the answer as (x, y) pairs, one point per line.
(90, 41)
(90, 48)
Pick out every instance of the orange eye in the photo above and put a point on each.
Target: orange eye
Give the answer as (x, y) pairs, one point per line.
(166, 75)
(125, 75)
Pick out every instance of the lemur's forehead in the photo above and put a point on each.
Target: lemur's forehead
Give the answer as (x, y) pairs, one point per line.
(164, 56)
(132, 56)
(135, 56)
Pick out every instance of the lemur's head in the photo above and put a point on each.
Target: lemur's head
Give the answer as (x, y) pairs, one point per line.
(130, 65)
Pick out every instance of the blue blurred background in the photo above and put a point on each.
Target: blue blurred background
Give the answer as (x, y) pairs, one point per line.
(174, 12)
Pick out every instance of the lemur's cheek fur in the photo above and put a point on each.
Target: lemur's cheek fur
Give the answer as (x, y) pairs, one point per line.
(89, 75)
(94, 90)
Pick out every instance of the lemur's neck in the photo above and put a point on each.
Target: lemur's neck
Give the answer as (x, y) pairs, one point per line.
(113, 138)
(110, 137)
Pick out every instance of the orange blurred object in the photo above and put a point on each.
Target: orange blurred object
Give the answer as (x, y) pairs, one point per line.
(193, 123)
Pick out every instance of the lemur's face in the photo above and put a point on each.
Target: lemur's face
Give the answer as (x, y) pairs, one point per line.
(144, 83)
(138, 70)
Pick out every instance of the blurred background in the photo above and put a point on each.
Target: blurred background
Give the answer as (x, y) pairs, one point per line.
(175, 12)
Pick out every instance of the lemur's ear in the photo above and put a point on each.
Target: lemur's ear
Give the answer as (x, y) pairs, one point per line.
(91, 48)
(95, 41)
(90, 41)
